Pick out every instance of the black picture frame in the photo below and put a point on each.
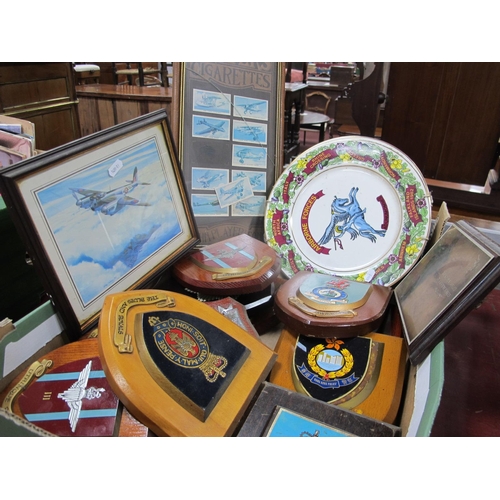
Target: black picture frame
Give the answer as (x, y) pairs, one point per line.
(73, 209)
(227, 121)
(450, 280)
(273, 400)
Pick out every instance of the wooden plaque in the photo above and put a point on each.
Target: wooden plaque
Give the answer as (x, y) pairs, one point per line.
(384, 399)
(284, 413)
(236, 312)
(342, 372)
(238, 265)
(182, 368)
(365, 319)
(66, 393)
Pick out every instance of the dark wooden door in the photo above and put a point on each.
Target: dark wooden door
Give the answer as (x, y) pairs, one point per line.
(446, 117)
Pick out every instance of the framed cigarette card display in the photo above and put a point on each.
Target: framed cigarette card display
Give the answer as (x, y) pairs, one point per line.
(229, 135)
(102, 214)
(450, 280)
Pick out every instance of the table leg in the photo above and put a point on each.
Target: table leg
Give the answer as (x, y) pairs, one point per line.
(322, 132)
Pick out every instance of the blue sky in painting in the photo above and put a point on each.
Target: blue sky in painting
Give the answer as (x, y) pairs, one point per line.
(100, 249)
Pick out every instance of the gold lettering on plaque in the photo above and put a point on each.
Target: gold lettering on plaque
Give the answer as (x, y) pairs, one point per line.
(36, 369)
(123, 340)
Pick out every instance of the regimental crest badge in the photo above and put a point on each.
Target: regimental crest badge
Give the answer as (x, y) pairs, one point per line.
(74, 399)
(194, 367)
(336, 371)
(184, 345)
(330, 293)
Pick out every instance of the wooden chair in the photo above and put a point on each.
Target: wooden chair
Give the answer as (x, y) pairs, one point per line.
(86, 73)
(318, 102)
(135, 73)
(167, 73)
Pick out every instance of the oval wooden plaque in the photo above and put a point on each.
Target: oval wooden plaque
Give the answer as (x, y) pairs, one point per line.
(367, 319)
(260, 269)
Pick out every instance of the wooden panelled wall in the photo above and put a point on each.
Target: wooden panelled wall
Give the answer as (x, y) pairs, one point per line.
(446, 117)
(102, 106)
(43, 93)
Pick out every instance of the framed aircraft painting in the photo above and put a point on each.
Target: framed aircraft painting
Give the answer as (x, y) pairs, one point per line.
(102, 214)
(226, 121)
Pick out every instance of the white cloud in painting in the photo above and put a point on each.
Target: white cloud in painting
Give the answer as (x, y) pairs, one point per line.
(99, 249)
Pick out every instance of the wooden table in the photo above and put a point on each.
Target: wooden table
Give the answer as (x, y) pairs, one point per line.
(311, 120)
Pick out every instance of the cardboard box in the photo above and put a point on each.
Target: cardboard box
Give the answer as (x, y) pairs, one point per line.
(38, 332)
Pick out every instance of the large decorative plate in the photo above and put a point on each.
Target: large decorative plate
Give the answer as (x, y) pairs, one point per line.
(355, 207)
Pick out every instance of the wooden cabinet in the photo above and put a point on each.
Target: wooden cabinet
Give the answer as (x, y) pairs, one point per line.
(446, 117)
(43, 93)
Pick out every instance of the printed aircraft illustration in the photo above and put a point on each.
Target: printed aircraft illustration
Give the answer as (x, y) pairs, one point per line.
(212, 203)
(206, 179)
(247, 207)
(234, 191)
(254, 179)
(248, 154)
(211, 129)
(252, 108)
(249, 130)
(109, 202)
(210, 101)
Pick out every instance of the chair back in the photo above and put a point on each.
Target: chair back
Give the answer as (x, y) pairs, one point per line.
(318, 102)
